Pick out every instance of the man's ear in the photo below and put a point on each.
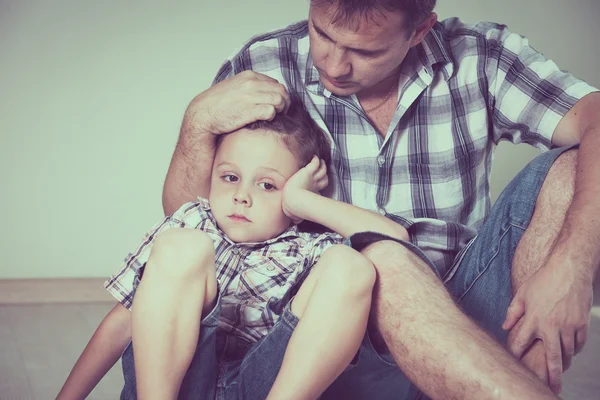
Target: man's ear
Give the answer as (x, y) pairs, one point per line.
(423, 29)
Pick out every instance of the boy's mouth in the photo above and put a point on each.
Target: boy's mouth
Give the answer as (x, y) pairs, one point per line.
(238, 218)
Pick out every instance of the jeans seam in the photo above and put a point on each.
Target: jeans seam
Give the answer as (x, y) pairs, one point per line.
(496, 252)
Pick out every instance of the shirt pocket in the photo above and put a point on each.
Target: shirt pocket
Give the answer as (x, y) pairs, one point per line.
(445, 184)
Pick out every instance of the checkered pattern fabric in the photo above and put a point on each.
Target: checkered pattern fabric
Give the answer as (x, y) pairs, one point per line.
(256, 280)
(461, 91)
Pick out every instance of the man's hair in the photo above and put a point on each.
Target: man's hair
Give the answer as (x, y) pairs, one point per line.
(350, 12)
(298, 131)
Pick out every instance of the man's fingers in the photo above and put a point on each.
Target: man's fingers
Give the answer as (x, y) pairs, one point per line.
(514, 313)
(252, 75)
(554, 360)
(523, 339)
(568, 348)
(580, 339)
(264, 112)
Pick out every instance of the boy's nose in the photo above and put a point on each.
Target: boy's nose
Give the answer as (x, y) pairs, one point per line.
(242, 197)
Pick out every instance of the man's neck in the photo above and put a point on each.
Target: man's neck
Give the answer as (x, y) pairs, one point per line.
(381, 89)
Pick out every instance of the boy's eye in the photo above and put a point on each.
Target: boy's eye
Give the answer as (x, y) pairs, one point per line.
(267, 186)
(230, 178)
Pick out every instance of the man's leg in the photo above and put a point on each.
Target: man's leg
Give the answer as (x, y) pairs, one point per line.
(178, 285)
(440, 349)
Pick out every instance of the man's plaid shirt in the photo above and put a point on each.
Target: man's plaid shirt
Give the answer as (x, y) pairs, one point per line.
(461, 91)
(256, 280)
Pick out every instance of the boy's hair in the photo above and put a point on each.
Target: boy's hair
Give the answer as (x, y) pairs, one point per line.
(299, 132)
(350, 12)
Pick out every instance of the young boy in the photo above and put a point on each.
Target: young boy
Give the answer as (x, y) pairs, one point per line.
(213, 315)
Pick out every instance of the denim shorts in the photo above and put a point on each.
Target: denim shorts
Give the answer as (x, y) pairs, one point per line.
(228, 368)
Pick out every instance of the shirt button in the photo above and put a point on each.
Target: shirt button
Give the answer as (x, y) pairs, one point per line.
(381, 160)
(381, 211)
(270, 268)
(235, 251)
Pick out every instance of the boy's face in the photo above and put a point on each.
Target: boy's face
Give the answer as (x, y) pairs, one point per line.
(250, 170)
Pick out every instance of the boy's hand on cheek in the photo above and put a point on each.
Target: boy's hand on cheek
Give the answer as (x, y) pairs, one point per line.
(311, 178)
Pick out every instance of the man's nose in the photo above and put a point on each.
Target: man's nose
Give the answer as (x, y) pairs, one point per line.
(242, 196)
(337, 65)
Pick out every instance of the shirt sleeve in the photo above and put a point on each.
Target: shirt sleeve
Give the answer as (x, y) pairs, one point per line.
(261, 54)
(529, 94)
(123, 283)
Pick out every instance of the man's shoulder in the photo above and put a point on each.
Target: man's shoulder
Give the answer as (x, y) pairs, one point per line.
(467, 37)
(289, 34)
(270, 52)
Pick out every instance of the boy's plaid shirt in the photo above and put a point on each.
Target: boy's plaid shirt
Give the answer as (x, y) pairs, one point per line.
(462, 90)
(256, 280)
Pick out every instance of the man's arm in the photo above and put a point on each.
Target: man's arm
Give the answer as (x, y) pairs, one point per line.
(562, 311)
(103, 350)
(581, 231)
(225, 107)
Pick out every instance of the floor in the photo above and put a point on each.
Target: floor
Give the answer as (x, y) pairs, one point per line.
(39, 344)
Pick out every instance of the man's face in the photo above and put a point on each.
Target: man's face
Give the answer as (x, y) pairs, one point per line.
(350, 60)
(250, 170)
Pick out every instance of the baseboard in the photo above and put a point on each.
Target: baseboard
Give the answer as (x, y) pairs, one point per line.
(79, 290)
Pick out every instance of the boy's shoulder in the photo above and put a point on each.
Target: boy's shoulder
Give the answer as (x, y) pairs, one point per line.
(193, 213)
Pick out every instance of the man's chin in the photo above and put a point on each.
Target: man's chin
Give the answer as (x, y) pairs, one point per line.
(345, 90)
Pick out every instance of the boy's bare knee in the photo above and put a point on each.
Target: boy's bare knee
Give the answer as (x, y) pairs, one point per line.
(346, 269)
(182, 253)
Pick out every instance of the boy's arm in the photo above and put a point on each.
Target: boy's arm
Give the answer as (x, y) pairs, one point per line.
(301, 202)
(341, 217)
(103, 350)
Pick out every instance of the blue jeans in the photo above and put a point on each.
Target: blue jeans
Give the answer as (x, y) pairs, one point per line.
(228, 368)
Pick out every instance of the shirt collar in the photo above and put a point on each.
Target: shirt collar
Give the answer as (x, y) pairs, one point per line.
(433, 52)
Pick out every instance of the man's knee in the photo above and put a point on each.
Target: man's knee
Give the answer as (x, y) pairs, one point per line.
(559, 183)
(394, 260)
(182, 253)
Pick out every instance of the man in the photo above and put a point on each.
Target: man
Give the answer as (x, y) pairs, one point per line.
(414, 108)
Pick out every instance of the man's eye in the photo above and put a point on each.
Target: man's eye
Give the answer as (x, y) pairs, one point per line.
(321, 35)
(230, 178)
(365, 54)
(267, 186)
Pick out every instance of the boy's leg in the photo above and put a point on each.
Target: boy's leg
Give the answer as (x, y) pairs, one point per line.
(179, 283)
(333, 306)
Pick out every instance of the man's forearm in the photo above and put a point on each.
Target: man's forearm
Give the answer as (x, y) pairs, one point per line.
(580, 234)
(190, 169)
(344, 218)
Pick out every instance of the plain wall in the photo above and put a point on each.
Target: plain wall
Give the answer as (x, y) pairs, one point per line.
(92, 95)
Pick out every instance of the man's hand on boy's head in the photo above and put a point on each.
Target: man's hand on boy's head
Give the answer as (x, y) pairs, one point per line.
(235, 102)
(311, 178)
